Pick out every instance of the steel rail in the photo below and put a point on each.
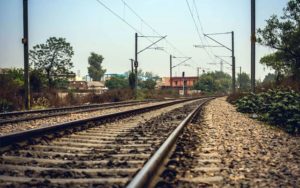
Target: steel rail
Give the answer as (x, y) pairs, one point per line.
(147, 174)
(40, 116)
(65, 108)
(14, 138)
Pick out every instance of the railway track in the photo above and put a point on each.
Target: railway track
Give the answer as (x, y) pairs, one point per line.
(19, 116)
(99, 151)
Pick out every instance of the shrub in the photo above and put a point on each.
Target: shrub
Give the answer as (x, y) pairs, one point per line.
(6, 106)
(232, 98)
(277, 107)
(114, 95)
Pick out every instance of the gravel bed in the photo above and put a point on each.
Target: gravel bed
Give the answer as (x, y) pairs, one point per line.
(250, 153)
(21, 126)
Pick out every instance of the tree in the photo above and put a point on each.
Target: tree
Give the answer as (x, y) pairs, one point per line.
(214, 82)
(131, 80)
(17, 75)
(37, 80)
(275, 61)
(269, 78)
(283, 34)
(53, 58)
(95, 69)
(243, 81)
(117, 82)
(148, 80)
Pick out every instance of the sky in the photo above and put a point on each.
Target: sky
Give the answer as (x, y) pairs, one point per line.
(90, 27)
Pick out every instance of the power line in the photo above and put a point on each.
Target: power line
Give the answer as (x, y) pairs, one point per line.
(111, 11)
(153, 30)
(197, 29)
(149, 26)
(136, 30)
(122, 19)
(201, 27)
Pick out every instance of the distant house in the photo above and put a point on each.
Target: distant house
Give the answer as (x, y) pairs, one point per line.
(4, 70)
(78, 85)
(108, 76)
(84, 86)
(96, 86)
(177, 83)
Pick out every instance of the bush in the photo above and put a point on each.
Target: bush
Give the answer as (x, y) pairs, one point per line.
(6, 106)
(278, 107)
(232, 98)
(114, 95)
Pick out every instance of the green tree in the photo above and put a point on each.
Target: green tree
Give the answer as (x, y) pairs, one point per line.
(131, 80)
(214, 82)
(53, 58)
(276, 62)
(283, 34)
(95, 69)
(269, 78)
(148, 80)
(117, 82)
(37, 80)
(243, 81)
(17, 76)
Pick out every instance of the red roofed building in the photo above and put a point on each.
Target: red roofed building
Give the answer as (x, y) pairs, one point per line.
(177, 83)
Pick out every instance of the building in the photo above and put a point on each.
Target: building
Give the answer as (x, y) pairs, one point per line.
(96, 86)
(84, 86)
(177, 83)
(109, 76)
(4, 70)
(78, 85)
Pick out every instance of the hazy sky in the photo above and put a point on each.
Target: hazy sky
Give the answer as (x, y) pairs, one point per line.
(89, 27)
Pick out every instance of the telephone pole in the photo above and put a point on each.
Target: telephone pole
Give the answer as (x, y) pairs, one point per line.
(183, 84)
(198, 71)
(233, 62)
(26, 59)
(132, 63)
(171, 65)
(171, 84)
(253, 40)
(136, 64)
(240, 67)
(230, 49)
(136, 52)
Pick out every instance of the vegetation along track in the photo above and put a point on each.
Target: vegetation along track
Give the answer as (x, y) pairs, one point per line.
(91, 153)
(18, 116)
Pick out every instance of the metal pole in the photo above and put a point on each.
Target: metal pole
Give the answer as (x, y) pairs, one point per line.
(253, 39)
(132, 62)
(171, 84)
(183, 83)
(233, 63)
(221, 64)
(240, 78)
(136, 64)
(198, 73)
(26, 58)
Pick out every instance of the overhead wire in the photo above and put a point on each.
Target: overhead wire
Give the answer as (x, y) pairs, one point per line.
(197, 29)
(153, 30)
(135, 29)
(201, 27)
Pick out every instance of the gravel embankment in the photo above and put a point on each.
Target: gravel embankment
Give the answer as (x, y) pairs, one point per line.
(21, 126)
(252, 152)
(228, 149)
